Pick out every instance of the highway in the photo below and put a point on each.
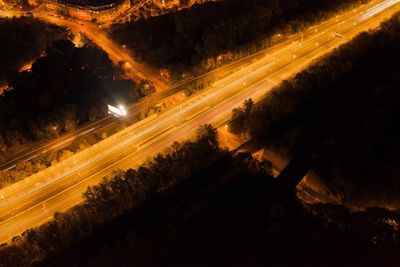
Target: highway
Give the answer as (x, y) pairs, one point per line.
(50, 145)
(36, 149)
(33, 201)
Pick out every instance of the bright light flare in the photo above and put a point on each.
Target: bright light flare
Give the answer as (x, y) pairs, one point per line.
(123, 110)
(119, 111)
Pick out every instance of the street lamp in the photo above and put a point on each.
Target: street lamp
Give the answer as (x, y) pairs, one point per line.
(55, 130)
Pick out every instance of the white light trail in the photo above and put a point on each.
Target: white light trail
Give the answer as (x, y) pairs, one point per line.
(378, 9)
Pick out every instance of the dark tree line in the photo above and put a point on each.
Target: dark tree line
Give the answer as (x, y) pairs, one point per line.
(23, 40)
(345, 109)
(113, 197)
(201, 206)
(188, 37)
(66, 87)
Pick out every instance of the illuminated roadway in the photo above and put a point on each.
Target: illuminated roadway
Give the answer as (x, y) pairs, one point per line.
(33, 201)
(33, 150)
(38, 148)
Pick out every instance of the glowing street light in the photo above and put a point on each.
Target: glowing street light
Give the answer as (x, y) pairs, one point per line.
(55, 130)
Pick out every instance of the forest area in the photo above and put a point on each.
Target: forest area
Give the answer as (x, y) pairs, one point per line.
(200, 204)
(208, 35)
(65, 88)
(22, 41)
(354, 137)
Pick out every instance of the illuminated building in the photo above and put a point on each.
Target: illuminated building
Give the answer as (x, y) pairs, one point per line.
(166, 3)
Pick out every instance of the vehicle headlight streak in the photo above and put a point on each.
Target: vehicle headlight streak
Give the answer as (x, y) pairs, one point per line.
(378, 8)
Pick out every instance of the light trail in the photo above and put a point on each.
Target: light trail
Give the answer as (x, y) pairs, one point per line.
(378, 9)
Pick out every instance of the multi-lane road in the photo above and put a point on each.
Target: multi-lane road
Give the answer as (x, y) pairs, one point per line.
(36, 149)
(33, 201)
(117, 53)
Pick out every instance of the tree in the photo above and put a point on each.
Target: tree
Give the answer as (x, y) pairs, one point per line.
(207, 133)
(3, 147)
(248, 106)
(14, 138)
(239, 116)
(69, 115)
(146, 87)
(236, 123)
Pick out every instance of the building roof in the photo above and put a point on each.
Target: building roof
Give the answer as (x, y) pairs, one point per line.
(92, 4)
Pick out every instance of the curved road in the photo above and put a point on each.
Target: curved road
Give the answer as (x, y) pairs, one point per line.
(116, 52)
